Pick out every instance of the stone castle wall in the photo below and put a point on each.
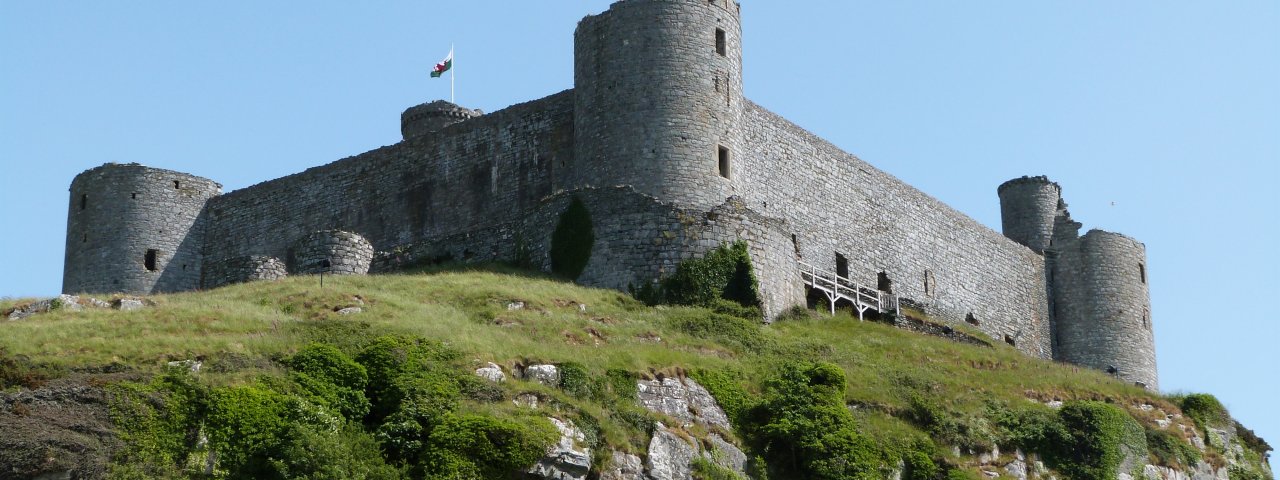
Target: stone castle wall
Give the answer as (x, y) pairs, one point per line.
(478, 172)
(137, 229)
(835, 202)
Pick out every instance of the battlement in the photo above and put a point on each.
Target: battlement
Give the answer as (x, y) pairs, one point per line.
(1038, 180)
(429, 117)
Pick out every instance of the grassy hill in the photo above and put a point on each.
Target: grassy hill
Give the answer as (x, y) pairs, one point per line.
(268, 399)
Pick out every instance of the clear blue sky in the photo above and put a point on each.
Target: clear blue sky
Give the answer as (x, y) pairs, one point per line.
(1160, 119)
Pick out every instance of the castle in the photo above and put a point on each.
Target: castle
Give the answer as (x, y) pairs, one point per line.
(670, 161)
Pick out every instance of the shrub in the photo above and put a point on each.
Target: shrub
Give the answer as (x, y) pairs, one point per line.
(918, 466)
(804, 429)
(1033, 428)
(726, 388)
(158, 421)
(572, 240)
(494, 447)
(1171, 450)
(388, 358)
(1099, 436)
(964, 430)
(1204, 409)
(724, 272)
(318, 454)
(577, 382)
(332, 379)
(248, 427)
(1252, 441)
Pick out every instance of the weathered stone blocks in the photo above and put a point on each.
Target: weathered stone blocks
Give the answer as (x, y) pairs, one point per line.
(332, 251)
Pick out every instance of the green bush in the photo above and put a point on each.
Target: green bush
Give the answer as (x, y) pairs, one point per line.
(728, 391)
(723, 273)
(804, 429)
(158, 421)
(572, 240)
(704, 469)
(332, 379)
(494, 447)
(918, 466)
(969, 431)
(1099, 435)
(319, 454)
(248, 426)
(577, 382)
(1033, 428)
(388, 358)
(1171, 450)
(1204, 409)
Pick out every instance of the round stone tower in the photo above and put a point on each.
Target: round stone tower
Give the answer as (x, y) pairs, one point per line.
(135, 229)
(1103, 308)
(429, 117)
(658, 99)
(1028, 206)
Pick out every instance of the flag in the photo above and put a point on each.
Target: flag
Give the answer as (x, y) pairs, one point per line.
(443, 66)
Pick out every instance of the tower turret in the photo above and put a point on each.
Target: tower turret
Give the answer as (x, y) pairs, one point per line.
(135, 229)
(658, 98)
(1103, 308)
(1028, 207)
(429, 117)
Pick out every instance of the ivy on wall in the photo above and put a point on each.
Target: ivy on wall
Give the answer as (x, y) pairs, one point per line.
(572, 240)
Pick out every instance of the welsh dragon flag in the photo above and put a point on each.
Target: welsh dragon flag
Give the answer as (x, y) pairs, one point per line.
(443, 66)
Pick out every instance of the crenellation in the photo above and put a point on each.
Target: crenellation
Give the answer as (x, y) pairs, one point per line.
(670, 160)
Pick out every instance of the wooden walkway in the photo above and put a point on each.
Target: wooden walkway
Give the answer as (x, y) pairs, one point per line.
(838, 288)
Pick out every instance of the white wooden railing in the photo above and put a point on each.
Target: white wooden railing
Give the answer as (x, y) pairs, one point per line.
(836, 288)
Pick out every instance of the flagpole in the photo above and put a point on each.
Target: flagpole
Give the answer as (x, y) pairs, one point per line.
(452, 72)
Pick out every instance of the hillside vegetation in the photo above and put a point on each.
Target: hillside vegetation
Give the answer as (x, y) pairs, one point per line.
(290, 387)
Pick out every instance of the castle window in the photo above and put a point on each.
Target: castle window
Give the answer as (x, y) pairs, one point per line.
(176, 185)
(720, 48)
(84, 201)
(883, 283)
(85, 238)
(1146, 319)
(929, 283)
(149, 261)
(842, 266)
(723, 154)
(971, 320)
(1009, 340)
(795, 244)
(1142, 273)
(133, 195)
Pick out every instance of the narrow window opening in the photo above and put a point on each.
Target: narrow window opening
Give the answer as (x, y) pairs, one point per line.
(716, 80)
(929, 283)
(842, 266)
(176, 184)
(150, 260)
(84, 201)
(720, 48)
(883, 283)
(85, 238)
(971, 320)
(1142, 273)
(1009, 340)
(184, 267)
(133, 195)
(795, 244)
(724, 161)
(1146, 319)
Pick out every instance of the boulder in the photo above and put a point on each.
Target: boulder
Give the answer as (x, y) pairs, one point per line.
(491, 372)
(625, 467)
(565, 460)
(726, 454)
(545, 374)
(684, 399)
(670, 456)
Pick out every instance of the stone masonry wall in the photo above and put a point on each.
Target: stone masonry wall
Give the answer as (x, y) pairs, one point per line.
(331, 251)
(638, 240)
(470, 174)
(241, 269)
(937, 257)
(1102, 306)
(117, 213)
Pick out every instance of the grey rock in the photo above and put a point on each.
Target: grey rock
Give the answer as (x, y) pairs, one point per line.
(684, 399)
(515, 306)
(545, 374)
(350, 310)
(1018, 467)
(192, 366)
(491, 372)
(566, 460)
(726, 454)
(625, 466)
(527, 400)
(128, 304)
(670, 456)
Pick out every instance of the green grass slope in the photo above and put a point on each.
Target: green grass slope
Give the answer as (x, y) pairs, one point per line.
(409, 405)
